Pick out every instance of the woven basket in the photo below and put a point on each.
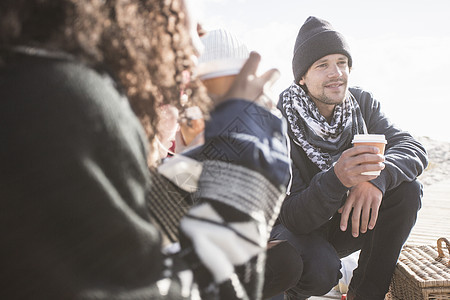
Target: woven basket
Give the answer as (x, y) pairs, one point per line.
(422, 272)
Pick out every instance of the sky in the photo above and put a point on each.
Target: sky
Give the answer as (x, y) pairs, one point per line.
(400, 49)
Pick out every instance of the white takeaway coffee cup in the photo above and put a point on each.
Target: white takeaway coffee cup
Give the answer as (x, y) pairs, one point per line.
(377, 140)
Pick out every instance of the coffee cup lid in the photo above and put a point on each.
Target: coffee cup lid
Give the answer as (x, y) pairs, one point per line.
(369, 138)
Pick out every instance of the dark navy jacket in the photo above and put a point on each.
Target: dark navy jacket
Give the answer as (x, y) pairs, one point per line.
(314, 196)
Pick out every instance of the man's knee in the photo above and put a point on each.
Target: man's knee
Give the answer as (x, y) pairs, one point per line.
(321, 264)
(284, 267)
(324, 275)
(409, 195)
(321, 272)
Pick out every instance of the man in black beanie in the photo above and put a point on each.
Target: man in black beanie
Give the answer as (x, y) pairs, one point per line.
(332, 209)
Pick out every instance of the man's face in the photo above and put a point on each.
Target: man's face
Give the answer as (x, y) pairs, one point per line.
(326, 79)
(217, 87)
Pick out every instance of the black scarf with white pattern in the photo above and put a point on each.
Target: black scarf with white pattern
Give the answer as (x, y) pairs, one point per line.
(322, 142)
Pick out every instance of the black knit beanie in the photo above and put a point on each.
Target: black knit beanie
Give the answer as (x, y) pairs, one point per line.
(316, 39)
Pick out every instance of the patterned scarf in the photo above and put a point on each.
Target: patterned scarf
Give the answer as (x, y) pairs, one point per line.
(322, 142)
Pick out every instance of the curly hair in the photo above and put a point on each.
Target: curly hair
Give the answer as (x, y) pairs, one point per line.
(144, 44)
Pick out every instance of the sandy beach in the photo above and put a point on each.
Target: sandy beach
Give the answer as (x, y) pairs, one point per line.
(438, 169)
(433, 219)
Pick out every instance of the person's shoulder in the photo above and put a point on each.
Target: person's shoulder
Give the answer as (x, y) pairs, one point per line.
(85, 88)
(94, 83)
(280, 99)
(64, 90)
(358, 91)
(362, 95)
(55, 73)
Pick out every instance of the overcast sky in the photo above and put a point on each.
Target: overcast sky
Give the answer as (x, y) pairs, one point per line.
(400, 49)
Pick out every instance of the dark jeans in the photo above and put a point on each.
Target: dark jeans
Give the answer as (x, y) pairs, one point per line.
(320, 251)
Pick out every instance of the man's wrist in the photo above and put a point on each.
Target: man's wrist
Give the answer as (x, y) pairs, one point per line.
(332, 183)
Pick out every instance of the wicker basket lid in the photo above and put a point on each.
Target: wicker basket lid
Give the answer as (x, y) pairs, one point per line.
(426, 264)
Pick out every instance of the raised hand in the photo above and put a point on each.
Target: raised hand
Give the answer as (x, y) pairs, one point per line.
(247, 84)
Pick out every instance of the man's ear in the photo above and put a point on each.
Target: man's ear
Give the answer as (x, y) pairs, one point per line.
(302, 81)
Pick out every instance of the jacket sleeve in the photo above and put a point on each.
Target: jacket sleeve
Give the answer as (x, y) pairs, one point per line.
(245, 168)
(406, 158)
(243, 136)
(243, 133)
(310, 202)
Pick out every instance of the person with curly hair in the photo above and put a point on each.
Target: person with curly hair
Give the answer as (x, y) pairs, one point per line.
(81, 82)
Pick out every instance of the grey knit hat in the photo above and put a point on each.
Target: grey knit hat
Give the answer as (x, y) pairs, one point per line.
(224, 54)
(316, 39)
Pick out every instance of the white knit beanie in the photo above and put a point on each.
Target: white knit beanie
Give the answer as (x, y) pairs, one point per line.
(224, 54)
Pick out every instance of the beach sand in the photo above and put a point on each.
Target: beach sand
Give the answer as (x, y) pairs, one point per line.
(438, 169)
(433, 220)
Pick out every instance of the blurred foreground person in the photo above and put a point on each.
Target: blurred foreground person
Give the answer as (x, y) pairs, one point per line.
(75, 181)
(222, 58)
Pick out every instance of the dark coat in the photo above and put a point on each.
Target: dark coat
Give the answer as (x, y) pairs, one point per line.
(314, 196)
(74, 223)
